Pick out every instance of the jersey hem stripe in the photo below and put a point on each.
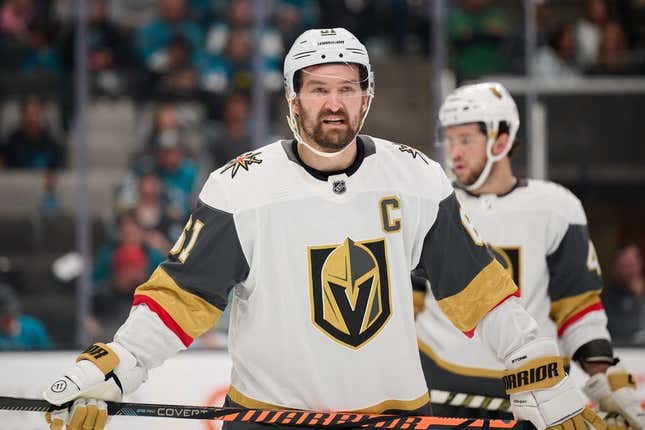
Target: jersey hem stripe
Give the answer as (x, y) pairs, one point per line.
(457, 368)
(387, 405)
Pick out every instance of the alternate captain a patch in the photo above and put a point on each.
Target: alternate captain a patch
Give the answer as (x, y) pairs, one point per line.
(413, 152)
(243, 161)
(350, 290)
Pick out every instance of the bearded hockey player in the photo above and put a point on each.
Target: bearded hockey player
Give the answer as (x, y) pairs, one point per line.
(538, 231)
(317, 237)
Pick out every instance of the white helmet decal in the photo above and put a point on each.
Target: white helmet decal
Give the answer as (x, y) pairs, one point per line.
(324, 46)
(490, 103)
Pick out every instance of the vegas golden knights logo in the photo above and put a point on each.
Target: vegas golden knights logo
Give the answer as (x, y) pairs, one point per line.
(350, 290)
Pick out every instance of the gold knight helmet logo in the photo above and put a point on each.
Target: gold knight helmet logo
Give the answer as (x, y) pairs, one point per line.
(350, 291)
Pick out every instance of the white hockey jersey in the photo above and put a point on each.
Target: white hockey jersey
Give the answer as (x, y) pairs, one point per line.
(322, 310)
(538, 231)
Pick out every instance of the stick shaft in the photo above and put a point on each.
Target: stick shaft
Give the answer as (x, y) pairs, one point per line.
(276, 417)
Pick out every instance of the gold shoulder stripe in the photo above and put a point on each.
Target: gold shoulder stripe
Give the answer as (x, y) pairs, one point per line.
(459, 369)
(192, 313)
(388, 405)
(563, 309)
(466, 308)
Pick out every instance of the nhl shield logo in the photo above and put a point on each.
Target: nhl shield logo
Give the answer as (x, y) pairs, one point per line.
(350, 290)
(339, 187)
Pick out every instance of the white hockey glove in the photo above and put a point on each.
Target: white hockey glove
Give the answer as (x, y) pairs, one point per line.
(541, 392)
(102, 372)
(615, 393)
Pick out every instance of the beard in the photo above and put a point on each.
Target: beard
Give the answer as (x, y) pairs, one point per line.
(471, 177)
(334, 139)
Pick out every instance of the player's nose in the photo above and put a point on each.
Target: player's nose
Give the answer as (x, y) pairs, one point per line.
(455, 152)
(333, 102)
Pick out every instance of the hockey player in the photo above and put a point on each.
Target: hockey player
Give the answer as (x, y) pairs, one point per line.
(538, 231)
(317, 237)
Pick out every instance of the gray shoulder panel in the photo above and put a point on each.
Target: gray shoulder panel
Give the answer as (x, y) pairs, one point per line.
(368, 145)
(287, 145)
(568, 271)
(215, 262)
(450, 257)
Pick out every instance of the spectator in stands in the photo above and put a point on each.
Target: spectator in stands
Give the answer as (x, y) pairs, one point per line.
(478, 31)
(132, 14)
(129, 232)
(235, 64)
(230, 137)
(161, 225)
(14, 16)
(557, 59)
(109, 51)
(112, 301)
(230, 55)
(31, 145)
(614, 57)
(153, 40)
(240, 17)
(588, 33)
(42, 55)
(544, 21)
(177, 172)
(180, 78)
(293, 17)
(19, 331)
(624, 298)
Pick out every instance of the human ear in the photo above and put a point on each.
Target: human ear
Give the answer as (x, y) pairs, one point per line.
(500, 144)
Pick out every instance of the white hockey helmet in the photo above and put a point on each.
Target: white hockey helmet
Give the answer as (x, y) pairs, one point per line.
(490, 103)
(324, 46)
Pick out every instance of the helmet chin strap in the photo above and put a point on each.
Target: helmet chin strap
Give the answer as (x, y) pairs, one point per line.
(490, 160)
(295, 129)
(483, 176)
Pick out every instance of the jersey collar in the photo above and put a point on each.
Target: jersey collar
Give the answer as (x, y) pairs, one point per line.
(364, 148)
(521, 182)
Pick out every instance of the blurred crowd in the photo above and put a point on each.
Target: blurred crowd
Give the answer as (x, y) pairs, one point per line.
(172, 57)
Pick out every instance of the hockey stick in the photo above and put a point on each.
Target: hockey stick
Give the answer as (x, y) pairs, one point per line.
(292, 418)
(451, 398)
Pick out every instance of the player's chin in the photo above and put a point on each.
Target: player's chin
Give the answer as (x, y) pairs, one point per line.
(465, 179)
(335, 139)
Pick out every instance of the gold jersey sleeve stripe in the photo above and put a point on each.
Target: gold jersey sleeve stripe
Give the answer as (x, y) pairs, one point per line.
(490, 287)
(190, 312)
(388, 405)
(562, 310)
(459, 369)
(102, 356)
(418, 300)
(537, 374)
